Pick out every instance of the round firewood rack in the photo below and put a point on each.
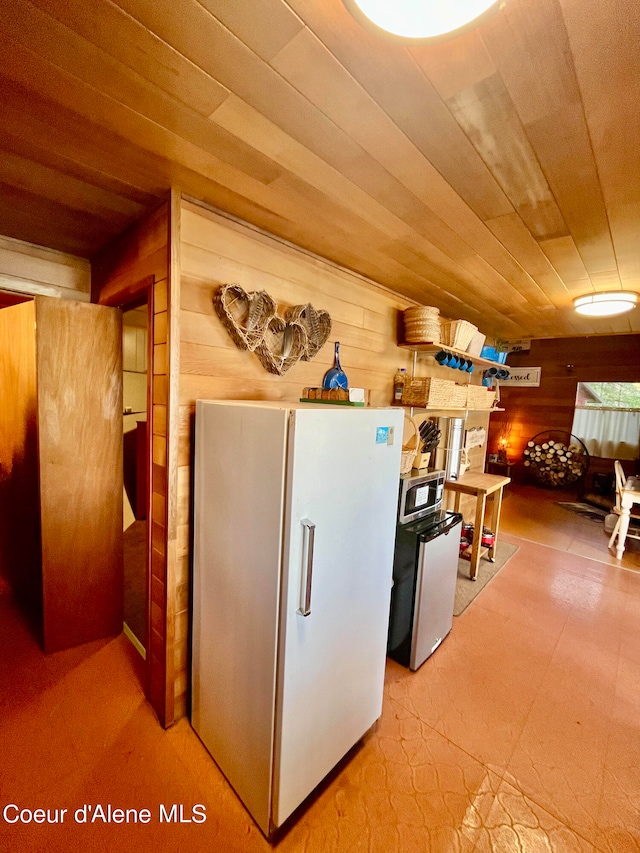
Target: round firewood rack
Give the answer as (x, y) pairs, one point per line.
(555, 458)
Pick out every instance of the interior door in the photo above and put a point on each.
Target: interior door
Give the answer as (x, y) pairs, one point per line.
(343, 473)
(19, 491)
(79, 392)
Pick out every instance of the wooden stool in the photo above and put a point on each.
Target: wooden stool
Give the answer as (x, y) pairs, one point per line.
(480, 485)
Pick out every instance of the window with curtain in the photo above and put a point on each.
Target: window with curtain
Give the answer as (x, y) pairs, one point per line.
(607, 418)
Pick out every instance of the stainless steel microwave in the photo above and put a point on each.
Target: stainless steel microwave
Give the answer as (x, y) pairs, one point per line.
(420, 495)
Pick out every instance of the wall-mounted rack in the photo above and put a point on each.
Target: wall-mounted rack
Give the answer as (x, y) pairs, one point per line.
(432, 349)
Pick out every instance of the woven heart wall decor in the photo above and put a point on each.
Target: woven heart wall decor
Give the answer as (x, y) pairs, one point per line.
(254, 324)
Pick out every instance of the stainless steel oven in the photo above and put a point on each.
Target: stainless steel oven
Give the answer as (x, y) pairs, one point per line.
(420, 495)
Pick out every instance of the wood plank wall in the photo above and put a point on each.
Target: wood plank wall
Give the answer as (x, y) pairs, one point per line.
(121, 274)
(217, 251)
(564, 362)
(35, 270)
(19, 488)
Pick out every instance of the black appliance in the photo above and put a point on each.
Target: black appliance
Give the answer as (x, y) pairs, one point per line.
(425, 571)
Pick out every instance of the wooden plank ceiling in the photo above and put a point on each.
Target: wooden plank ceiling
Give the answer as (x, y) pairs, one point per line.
(496, 175)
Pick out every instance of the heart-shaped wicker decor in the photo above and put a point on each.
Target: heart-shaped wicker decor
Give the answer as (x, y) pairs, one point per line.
(279, 342)
(284, 344)
(245, 315)
(317, 325)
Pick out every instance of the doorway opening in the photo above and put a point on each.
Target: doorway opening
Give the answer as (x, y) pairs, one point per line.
(20, 552)
(135, 439)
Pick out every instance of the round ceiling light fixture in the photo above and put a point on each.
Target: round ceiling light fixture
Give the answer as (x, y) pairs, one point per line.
(422, 19)
(606, 304)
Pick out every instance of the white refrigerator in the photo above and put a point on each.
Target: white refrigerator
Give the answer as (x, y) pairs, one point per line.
(294, 524)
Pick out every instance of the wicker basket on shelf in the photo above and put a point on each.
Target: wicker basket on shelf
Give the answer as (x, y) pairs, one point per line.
(479, 397)
(457, 333)
(421, 324)
(409, 449)
(434, 393)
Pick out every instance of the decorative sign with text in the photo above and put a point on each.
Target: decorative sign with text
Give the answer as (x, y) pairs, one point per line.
(526, 377)
(523, 345)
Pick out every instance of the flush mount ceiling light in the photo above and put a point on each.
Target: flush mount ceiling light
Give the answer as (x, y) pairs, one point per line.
(605, 304)
(422, 19)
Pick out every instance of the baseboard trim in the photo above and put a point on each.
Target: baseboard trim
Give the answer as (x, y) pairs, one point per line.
(134, 640)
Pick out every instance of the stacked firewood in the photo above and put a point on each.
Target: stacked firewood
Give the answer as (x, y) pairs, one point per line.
(555, 463)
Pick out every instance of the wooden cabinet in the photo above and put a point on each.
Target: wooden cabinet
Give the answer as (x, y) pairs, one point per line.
(61, 456)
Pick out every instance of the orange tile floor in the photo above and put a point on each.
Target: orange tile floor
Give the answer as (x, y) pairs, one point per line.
(521, 733)
(533, 513)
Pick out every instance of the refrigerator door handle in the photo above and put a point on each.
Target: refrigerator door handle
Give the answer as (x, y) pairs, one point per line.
(305, 587)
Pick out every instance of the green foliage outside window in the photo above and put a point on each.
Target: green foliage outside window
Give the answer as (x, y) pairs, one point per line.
(619, 395)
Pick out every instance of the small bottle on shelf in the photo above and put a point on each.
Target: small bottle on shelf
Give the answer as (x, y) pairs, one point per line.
(398, 384)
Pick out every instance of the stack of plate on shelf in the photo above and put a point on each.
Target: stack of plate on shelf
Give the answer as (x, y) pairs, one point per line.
(422, 325)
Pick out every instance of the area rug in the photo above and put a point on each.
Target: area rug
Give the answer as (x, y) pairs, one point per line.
(584, 510)
(466, 589)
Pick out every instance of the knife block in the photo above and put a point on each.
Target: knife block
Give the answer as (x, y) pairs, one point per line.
(422, 460)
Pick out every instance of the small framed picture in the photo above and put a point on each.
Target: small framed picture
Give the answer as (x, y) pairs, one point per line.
(493, 457)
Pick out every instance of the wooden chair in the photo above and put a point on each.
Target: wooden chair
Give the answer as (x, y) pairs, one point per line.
(617, 508)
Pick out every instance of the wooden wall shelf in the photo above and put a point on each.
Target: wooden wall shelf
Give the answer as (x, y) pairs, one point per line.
(431, 349)
(443, 409)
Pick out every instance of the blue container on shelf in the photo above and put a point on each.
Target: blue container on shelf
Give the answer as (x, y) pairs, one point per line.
(492, 354)
(489, 352)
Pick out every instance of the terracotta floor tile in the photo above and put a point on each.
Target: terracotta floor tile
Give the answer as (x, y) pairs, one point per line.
(618, 815)
(581, 667)
(116, 658)
(33, 734)
(630, 628)
(520, 593)
(534, 531)
(66, 794)
(23, 672)
(407, 790)
(520, 734)
(632, 583)
(618, 822)
(559, 758)
(102, 720)
(532, 513)
(477, 689)
(517, 824)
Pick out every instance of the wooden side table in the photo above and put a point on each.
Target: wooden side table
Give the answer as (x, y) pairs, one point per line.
(480, 486)
(502, 468)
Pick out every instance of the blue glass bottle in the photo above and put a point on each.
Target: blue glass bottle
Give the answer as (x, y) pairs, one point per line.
(335, 377)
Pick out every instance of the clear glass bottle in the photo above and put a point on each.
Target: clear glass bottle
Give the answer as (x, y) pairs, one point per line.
(398, 384)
